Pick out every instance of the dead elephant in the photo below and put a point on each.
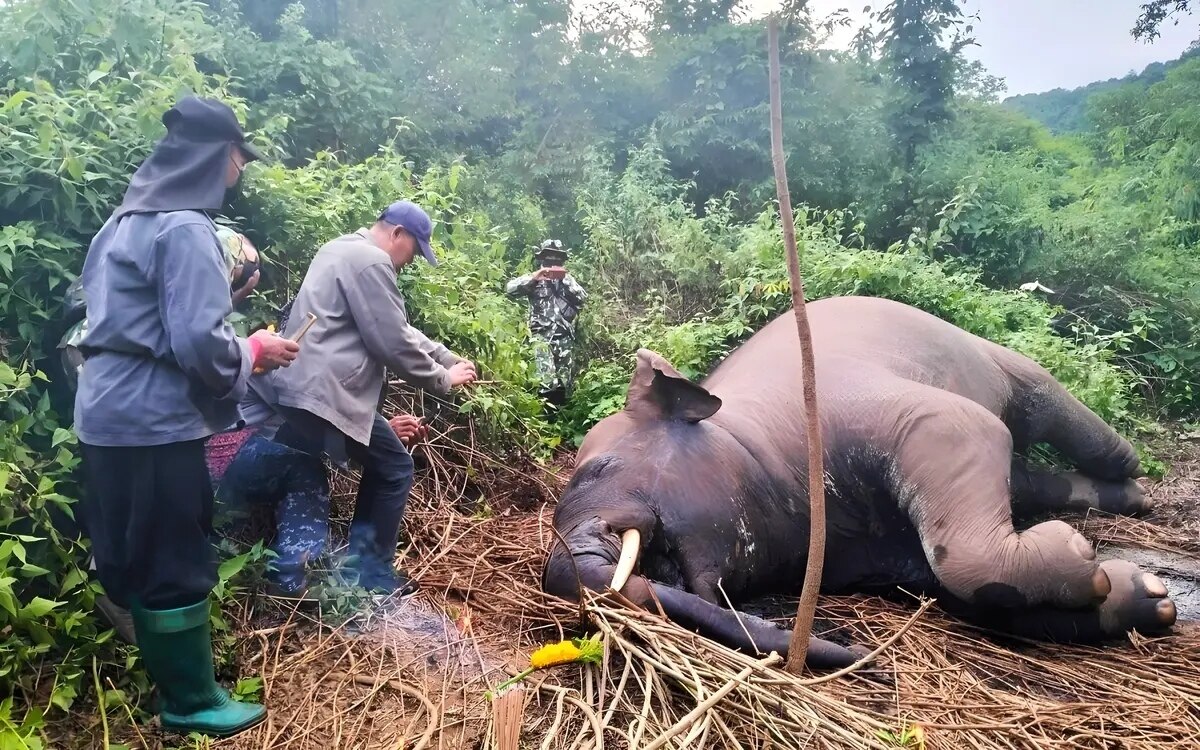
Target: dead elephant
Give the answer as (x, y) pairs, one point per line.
(703, 487)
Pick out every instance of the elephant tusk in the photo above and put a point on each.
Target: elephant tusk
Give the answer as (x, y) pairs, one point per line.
(631, 541)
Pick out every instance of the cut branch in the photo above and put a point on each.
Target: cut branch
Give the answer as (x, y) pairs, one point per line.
(802, 630)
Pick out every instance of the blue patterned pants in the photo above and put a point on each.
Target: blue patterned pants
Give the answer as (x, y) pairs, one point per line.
(295, 483)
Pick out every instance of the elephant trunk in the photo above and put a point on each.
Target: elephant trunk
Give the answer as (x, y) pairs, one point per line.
(595, 557)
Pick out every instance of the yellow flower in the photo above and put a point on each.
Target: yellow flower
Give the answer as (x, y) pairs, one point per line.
(554, 654)
(583, 651)
(575, 651)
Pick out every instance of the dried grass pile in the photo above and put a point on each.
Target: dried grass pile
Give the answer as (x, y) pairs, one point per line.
(414, 674)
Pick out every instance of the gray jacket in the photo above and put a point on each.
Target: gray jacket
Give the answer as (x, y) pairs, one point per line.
(362, 329)
(163, 366)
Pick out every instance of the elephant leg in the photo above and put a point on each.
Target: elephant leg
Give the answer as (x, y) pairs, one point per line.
(951, 474)
(1138, 602)
(1041, 410)
(1036, 491)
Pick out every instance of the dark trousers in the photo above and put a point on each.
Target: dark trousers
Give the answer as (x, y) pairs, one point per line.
(148, 511)
(387, 478)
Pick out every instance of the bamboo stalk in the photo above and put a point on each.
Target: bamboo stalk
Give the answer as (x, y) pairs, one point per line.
(806, 609)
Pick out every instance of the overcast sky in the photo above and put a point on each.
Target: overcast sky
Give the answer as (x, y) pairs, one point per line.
(1038, 45)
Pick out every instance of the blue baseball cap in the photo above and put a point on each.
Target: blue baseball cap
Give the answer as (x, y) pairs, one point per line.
(414, 220)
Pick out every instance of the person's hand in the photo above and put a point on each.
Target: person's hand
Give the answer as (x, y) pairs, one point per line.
(408, 428)
(244, 291)
(461, 373)
(542, 274)
(274, 351)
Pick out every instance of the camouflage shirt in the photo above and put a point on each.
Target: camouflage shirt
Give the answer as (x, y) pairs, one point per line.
(553, 305)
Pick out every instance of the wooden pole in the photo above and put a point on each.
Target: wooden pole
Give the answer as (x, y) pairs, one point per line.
(798, 646)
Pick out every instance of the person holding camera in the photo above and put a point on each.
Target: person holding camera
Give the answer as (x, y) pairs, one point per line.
(555, 299)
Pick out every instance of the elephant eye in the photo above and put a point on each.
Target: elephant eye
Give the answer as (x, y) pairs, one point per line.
(594, 470)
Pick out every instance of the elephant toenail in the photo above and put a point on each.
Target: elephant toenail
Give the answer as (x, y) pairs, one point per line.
(1100, 583)
(1165, 611)
(1153, 586)
(1082, 547)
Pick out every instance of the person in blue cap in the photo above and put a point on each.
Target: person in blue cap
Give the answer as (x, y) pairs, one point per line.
(328, 401)
(164, 371)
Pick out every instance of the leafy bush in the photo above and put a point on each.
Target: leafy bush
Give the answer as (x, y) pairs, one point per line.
(747, 285)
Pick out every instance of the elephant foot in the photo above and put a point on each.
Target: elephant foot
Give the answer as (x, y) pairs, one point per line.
(1049, 564)
(1137, 601)
(1037, 491)
(1124, 498)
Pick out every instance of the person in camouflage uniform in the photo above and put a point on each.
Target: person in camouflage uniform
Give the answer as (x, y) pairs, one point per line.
(555, 301)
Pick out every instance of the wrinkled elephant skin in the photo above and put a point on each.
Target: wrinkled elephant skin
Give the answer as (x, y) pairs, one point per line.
(923, 425)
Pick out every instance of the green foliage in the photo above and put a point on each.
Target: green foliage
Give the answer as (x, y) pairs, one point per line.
(921, 67)
(1154, 13)
(308, 93)
(46, 597)
(749, 286)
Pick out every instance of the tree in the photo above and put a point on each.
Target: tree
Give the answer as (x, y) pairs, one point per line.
(1153, 15)
(922, 70)
(693, 16)
(920, 73)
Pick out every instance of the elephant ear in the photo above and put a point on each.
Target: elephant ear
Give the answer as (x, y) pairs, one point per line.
(660, 392)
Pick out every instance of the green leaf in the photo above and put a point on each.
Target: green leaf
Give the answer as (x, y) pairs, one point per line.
(39, 607)
(16, 99)
(71, 580)
(248, 689)
(64, 695)
(232, 567)
(40, 635)
(61, 435)
(74, 168)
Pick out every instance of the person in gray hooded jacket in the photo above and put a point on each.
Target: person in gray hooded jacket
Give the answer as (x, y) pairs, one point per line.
(163, 372)
(328, 401)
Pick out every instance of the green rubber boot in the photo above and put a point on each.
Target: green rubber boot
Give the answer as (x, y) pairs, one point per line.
(176, 646)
